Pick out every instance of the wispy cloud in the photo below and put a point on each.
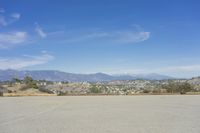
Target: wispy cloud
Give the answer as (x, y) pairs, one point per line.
(7, 20)
(123, 36)
(40, 31)
(15, 15)
(25, 61)
(12, 39)
(133, 37)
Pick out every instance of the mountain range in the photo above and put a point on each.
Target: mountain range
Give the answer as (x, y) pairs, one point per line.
(53, 75)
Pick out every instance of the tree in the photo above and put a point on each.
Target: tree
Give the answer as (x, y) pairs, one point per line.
(171, 87)
(176, 87)
(95, 89)
(185, 87)
(146, 91)
(30, 83)
(16, 80)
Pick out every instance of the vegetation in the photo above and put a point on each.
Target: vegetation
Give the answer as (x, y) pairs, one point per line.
(132, 87)
(29, 83)
(45, 90)
(62, 93)
(95, 89)
(16, 80)
(146, 91)
(181, 88)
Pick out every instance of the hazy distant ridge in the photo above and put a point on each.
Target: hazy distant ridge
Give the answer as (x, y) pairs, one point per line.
(53, 75)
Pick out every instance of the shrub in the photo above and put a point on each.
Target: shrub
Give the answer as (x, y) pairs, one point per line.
(181, 88)
(24, 87)
(156, 91)
(45, 90)
(95, 89)
(62, 93)
(146, 91)
(1, 94)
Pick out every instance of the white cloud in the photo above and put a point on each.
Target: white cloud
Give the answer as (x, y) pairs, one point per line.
(12, 39)
(25, 61)
(4, 21)
(16, 15)
(109, 36)
(40, 31)
(132, 37)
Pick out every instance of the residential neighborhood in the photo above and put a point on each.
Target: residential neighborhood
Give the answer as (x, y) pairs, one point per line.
(119, 87)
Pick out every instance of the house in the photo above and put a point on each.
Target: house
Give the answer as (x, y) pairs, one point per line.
(42, 83)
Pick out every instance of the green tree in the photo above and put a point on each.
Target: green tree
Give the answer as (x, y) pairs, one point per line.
(185, 87)
(30, 83)
(95, 89)
(16, 80)
(146, 91)
(175, 87)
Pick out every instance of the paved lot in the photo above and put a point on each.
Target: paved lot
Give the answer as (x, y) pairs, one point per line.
(100, 114)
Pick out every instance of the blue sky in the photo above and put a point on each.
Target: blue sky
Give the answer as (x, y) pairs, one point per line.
(110, 36)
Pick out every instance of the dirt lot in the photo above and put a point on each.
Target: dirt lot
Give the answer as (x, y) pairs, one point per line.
(100, 114)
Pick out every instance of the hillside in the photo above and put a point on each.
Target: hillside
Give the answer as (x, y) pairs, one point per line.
(52, 75)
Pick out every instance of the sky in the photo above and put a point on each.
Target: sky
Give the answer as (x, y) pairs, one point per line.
(109, 36)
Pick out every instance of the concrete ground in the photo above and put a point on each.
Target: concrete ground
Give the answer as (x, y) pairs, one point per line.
(100, 114)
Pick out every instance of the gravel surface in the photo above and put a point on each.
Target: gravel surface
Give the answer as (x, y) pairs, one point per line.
(100, 114)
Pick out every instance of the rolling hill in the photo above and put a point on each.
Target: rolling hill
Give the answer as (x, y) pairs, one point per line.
(53, 75)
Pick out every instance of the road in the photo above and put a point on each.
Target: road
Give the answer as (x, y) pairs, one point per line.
(100, 114)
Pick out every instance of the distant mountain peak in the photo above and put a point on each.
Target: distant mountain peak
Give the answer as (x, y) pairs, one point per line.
(54, 75)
